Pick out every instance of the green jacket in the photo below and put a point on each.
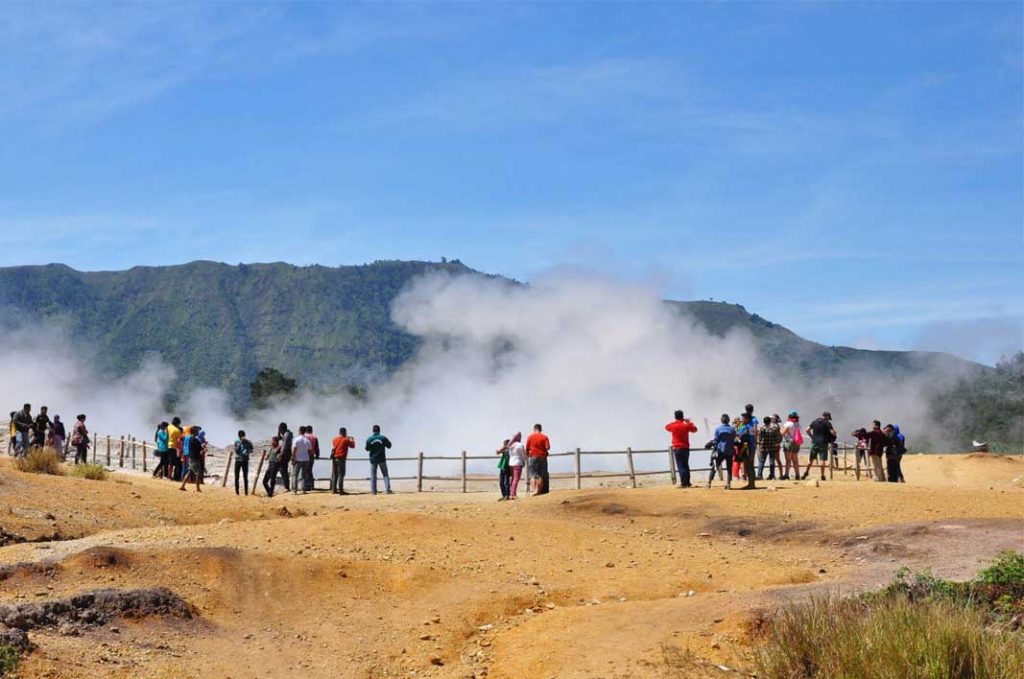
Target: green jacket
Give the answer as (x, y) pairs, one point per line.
(377, 446)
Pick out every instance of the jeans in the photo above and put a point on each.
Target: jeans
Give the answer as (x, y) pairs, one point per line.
(716, 462)
(505, 481)
(270, 478)
(338, 475)
(242, 465)
(513, 485)
(21, 442)
(682, 457)
(773, 459)
(308, 485)
(383, 465)
(303, 468)
(283, 471)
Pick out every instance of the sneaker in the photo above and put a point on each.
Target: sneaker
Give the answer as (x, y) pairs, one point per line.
(389, 492)
(728, 486)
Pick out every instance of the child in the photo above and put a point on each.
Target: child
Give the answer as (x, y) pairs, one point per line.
(273, 466)
(504, 475)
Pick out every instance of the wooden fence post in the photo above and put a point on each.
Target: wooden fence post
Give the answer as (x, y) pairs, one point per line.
(259, 468)
(133, 452)
(419, 472)
(144, 470)
(579, 478)
(629, 463)
(463, 471)
(672, 466)
(120, 454)
(108, 450)
(224, 481)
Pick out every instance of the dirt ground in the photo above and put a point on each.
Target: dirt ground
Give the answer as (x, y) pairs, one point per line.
(605, 582)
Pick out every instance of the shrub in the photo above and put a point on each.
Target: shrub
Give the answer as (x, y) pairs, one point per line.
(93, 472)
(9, 659)
(1006, 569)
(887, 636)
(40, 461)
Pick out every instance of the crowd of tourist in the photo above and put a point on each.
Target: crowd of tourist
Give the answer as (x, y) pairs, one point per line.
(741, 448)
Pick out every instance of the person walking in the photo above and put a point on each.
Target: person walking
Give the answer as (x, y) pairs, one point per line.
(876, 448)
(377, 446)
(243, 450)
(822, 434)
(57, 436)
(538, 445)
(160, 438)
(302, 450)
(193, 447)
(769, 438)
(723, 448)
(273, 466)
(286, 436)
(516, 462)
(80, 440)
(792, 439)
(504, 474)
(23, 423)
(681, 428)
(340, 446)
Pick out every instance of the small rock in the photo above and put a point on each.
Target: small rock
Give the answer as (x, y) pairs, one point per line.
(436, 660)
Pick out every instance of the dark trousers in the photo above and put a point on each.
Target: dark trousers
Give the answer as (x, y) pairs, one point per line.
(308, 482)
(772, 458)
(283, 471)
(716, 462)
(893, 472)
(682, 456)
(163, 468)
(270, 478)
(338, 475)
(505, 481)
(82, 453)
(242, 467)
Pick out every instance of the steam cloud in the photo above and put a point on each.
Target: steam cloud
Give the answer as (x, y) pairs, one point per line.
(600, 363)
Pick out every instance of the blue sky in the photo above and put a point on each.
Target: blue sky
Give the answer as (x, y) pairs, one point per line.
(853, 171)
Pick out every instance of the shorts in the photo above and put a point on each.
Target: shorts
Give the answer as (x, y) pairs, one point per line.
(538, 466)
(819, 451)
(195, 466)
(791, 447)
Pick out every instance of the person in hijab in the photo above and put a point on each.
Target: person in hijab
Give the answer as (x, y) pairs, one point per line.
(57, 435)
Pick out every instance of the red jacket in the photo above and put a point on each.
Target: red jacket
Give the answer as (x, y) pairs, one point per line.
(681, 430)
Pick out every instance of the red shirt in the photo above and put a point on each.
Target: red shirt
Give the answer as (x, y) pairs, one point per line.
(341, 445)
(681, 430)
(538, 444)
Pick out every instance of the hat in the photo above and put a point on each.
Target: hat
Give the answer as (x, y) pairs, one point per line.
(792, 413)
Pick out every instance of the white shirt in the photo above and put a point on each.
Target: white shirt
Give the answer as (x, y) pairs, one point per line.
(300, 449)
(516, 454)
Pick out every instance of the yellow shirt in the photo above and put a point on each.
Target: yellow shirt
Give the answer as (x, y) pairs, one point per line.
(173, 437)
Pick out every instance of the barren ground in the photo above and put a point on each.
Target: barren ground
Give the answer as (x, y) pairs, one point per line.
(590, 583)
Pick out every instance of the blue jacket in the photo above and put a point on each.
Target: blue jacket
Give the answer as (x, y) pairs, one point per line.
(725, 439)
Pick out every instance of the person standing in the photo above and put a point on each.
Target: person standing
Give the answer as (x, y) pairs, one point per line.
(273, 465)
(769, 439)
(792, 439)
(876, 447)
(160, 437)
(538, 445)
(302, 449)
(724, 446)
(894, 447)
(39, 428)
(23, 423)
(340, 446)
(681, 428)
(860, 452)
(746, 435)
(80, 440)
(57, 435)
(174, 449)
(377, 446)
(516, 462)
(243, 450)
(822, 434)
(754, 425)
(314, 454)
(901, 450)
(504, 475)
(193, 448)
(286, 436)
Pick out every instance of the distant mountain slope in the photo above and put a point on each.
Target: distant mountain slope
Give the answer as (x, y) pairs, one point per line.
(219, 324)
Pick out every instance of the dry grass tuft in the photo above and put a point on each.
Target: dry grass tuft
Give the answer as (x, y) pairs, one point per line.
(40, 461)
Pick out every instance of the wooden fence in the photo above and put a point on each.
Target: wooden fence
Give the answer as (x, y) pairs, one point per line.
(127, 452)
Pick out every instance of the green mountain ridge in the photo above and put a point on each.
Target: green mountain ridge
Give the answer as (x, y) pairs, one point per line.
(219, 324)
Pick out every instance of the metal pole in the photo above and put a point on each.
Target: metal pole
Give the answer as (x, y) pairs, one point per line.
(629, 463)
